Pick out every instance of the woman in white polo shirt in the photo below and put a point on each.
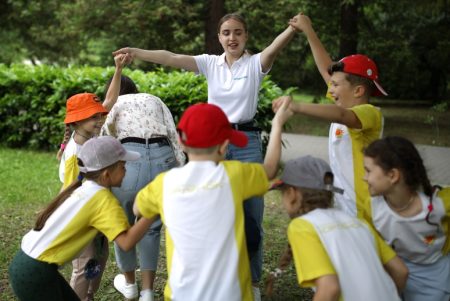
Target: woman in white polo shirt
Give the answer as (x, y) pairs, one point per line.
(234, 79)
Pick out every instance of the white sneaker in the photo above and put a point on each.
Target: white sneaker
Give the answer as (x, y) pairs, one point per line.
(256, 293)
(146, 295)
(129, 291)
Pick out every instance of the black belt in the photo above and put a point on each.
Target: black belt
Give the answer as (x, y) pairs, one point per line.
(146, 141)
(246, 126)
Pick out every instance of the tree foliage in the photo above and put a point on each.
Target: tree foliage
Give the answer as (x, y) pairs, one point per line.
(409, 39)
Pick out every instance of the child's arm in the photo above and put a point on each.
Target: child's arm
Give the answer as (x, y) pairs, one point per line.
(128, 239)
(327, 288)
(162, 57)
(320, 54)
(269, 54)
(398, 271)
(332, 113)
(114, 88)
(273, 152)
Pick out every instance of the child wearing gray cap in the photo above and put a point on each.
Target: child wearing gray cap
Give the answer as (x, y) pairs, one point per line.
(339, 255)
(72, 220)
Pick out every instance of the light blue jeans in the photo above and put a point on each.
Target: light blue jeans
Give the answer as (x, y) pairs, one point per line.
(155, 158)
(253, 207)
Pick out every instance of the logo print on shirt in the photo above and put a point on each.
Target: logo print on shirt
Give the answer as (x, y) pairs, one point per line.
(429, 239)
(339, 133)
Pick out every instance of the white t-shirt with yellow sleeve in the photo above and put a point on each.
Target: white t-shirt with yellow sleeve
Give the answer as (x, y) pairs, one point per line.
(68, 167)
(89, 210)
(201, 205)
(345, 147)
(330, 242)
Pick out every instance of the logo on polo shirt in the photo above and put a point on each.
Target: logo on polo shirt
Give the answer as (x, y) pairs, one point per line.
(339, 133)
(429, 239)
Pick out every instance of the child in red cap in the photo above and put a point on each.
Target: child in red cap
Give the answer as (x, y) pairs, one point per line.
(201, 205)
(355, 123)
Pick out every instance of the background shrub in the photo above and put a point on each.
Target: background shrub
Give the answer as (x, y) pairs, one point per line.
(32, 98)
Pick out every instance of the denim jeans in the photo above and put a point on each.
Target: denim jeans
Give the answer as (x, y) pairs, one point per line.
(253, 207)
(155, 158)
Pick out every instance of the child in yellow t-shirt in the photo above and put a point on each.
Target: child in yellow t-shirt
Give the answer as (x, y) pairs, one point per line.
(72, 220)
(339, 255)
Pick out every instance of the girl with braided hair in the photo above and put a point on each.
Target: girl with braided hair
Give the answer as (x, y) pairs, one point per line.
(411, 215)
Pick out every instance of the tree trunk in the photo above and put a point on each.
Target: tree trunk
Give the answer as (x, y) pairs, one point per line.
(349, 28)
(214, 11)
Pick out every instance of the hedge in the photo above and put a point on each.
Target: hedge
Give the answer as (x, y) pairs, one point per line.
(32, 98)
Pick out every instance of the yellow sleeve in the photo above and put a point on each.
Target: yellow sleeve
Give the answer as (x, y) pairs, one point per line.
(248, 179)
(109, 217)
(71, 171)
(310, 257)
(149, 199)
(369, 116)
(385, 252)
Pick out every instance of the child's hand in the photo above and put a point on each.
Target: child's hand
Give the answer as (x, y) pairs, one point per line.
(277, 102)
(300, 22)
(121, 60)
(282, 108)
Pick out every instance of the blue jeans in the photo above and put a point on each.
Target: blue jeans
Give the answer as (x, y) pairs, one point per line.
(253, 207)
(155, 158)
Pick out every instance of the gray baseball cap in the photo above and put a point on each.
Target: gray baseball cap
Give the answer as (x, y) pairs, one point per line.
(308, 172)
(100, 152)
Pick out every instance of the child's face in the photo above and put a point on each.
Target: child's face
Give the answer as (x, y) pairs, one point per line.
(292, 199)
(378, 180)
(117, 174)
(91, 125)
(232, 37)
(341, 90)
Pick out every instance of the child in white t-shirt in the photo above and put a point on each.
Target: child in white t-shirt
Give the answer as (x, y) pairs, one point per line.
(72, 220)
(411, 215)
(339, 255)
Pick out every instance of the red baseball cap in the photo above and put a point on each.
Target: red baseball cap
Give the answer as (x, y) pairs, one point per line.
(205, 125)
(82, 106)
(363, 66)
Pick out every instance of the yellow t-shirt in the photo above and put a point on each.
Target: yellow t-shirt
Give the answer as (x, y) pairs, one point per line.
(89, 210)
(68, 167)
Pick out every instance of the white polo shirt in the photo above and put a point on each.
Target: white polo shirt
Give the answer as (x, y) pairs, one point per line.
(235, 90)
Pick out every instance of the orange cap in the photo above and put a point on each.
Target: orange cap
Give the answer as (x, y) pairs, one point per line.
(82, 106)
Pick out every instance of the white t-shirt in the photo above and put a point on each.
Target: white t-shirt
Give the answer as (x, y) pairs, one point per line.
(235, 90)
(90, 209)
(412, 237)
(352, 250)
(201, 205)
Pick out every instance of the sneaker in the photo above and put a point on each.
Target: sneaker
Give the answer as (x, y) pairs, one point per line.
(146, 295)
(256, 293)
(129, 291)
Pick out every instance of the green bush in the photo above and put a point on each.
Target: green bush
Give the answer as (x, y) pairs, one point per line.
(32, 98)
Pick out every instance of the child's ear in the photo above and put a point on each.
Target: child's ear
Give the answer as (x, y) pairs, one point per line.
(394, 175)
(359, 91)
(183, 147)
(223, 147)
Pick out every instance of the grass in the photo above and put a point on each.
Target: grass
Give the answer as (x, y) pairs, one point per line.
(30, 179)
(420, 124)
